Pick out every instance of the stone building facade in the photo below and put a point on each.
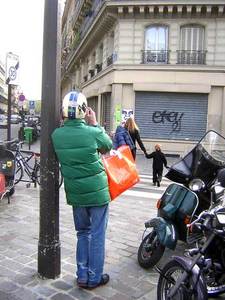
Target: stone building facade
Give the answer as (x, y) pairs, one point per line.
(163, 61)
(3, 89)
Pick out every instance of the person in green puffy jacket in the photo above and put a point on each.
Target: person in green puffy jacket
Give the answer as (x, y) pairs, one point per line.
(78, 145)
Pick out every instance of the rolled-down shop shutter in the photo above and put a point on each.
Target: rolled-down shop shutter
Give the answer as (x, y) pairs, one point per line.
(93, 103)
(105, 111)
(171, 115)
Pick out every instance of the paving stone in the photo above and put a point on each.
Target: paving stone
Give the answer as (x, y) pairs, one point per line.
(28, 270)
(62, 285)
(8, 286)
(24, 259)
(26, 294)
(61, 296)
(23, 279)
(11, 264)
(7, 296)
(81, 294)
(119, 296)
(5, 272)
(44, 291)
(105, 291)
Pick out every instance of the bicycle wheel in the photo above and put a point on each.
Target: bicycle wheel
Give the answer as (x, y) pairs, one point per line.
(18, 171)
(38, 176)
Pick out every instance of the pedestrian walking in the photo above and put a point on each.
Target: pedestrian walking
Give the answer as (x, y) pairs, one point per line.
(159, 160)
(133, 130)
(77, 145)
(122, 137)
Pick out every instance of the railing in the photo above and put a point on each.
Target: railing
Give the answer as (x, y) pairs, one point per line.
(98, 67)
(77, 9)
(155, 56)
(92, 72)
(111, 59)
(190, 57)
(96, 6)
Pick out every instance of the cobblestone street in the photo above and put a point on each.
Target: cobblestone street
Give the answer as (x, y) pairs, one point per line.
(19, 223)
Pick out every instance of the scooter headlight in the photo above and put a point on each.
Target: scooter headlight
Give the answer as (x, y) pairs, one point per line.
(196, 185)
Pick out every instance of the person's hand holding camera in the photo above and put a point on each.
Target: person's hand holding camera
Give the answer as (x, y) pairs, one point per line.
(90, 117)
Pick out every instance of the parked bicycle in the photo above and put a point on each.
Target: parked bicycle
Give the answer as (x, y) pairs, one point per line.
(27, 166)
(7, 167)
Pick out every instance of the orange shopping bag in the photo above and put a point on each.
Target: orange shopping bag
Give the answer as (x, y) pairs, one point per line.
(2, 184)
(121, 171)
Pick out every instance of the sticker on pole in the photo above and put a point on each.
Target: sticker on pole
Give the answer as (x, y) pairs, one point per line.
(12, 69)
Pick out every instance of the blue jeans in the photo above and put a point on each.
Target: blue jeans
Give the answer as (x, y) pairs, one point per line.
(90, 224)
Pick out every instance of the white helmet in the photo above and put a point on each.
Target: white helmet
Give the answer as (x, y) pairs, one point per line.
(74, 105)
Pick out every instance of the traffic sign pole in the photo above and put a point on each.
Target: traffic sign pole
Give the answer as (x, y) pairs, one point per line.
(9, 112)
(12, 66)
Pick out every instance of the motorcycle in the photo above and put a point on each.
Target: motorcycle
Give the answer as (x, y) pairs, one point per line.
(7, 171)
(183, 200)
(201, 273)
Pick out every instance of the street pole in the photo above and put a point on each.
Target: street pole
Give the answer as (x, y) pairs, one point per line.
(9, 112)
(49, 244)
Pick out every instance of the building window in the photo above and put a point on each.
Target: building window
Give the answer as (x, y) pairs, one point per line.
(192, 45)
(156, 45)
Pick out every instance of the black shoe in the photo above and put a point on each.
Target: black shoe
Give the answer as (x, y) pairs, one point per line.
(81, 284)
(158, 183)
(154, 183)
(104, 280)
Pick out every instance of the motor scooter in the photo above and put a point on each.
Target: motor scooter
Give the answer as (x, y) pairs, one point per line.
(183, 200)
(7, 171)
(199, 274)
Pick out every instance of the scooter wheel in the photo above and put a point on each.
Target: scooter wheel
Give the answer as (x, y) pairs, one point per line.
(150, 251)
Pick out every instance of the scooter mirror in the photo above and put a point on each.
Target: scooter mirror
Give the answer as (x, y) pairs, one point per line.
(221, 177)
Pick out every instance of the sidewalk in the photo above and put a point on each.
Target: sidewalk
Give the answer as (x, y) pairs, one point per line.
(19, 223)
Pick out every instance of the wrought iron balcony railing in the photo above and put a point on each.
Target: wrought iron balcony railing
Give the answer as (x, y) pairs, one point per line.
(111, 59)
(96, 6)
(190, 57)
(92, 72)
(98, 67)
(155, 56)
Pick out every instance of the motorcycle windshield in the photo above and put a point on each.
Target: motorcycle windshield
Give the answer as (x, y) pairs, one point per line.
(203, 161)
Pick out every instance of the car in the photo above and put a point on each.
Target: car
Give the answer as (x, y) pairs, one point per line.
(15, 119)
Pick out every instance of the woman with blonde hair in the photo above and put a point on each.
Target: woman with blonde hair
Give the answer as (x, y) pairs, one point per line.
(133, 130)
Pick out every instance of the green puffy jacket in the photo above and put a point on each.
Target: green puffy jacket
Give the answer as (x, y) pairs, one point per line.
(77, 146)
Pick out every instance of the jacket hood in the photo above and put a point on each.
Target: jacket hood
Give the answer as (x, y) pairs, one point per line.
(120, 129)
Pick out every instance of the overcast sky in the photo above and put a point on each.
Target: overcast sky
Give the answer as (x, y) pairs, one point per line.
(21, 32)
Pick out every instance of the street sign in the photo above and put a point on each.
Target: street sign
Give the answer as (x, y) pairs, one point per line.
(31, 104)
(12, 66)
(21, 97)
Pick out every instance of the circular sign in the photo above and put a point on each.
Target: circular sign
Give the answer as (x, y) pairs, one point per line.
(21, 97)
(12, 73)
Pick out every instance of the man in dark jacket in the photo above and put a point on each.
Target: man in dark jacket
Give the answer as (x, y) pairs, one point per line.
(159, 160)
(77, 145)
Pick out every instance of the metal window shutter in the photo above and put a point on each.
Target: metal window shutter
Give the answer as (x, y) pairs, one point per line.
(171, 115)
(93, 103)
(105, 111)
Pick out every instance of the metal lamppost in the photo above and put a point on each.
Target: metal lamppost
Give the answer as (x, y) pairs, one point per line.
(49, 244)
